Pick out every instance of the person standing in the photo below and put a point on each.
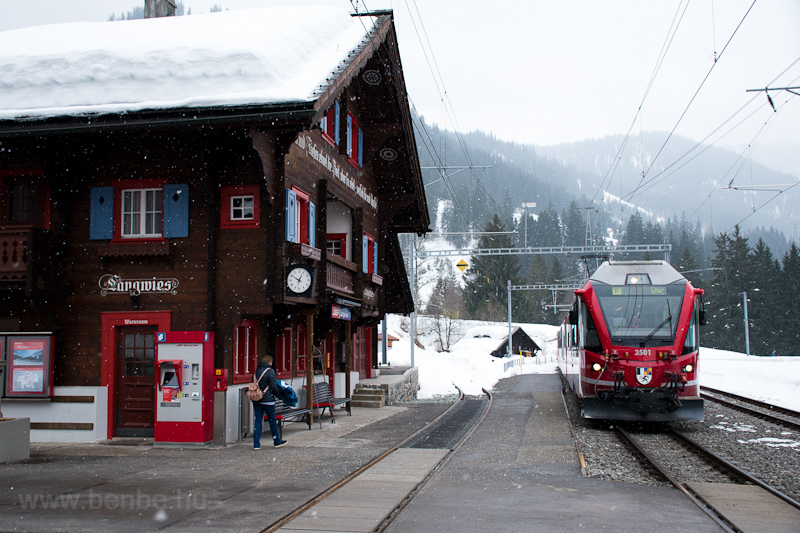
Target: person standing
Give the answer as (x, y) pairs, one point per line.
(268, 383)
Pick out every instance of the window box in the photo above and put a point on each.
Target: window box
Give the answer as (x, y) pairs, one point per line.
(133, 249)
(373, 278)
(304, 250)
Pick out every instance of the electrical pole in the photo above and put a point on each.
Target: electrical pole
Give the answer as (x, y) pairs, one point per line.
(510, 352)
(413, 296)
(746, 324)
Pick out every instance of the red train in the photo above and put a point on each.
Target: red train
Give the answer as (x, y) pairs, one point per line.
(629, 345)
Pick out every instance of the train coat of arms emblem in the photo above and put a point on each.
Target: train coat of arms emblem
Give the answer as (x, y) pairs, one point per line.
(644, 374)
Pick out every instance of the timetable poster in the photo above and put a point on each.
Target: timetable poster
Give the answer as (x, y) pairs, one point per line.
(29, 371)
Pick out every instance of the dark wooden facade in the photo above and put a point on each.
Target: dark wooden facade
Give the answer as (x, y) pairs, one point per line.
(211, 268)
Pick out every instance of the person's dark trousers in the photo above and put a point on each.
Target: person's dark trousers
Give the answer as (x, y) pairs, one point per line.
(260, 409)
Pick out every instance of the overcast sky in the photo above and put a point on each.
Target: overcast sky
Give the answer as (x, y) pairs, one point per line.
(544, 72)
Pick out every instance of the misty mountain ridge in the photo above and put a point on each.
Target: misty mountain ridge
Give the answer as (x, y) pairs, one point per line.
(687, 179)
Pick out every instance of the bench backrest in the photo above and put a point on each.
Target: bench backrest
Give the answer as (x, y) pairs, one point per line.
(322, 392)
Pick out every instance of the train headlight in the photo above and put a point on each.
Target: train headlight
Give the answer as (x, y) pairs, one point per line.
(596, 367)
(687, 368)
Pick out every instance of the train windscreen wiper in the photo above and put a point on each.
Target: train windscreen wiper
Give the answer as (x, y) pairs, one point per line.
(658, 327)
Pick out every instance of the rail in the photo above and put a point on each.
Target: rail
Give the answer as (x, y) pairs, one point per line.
(284, 520)
(627, 437)
(762, 410)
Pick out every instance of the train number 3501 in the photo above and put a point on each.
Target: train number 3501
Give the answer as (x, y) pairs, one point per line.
(643, 351)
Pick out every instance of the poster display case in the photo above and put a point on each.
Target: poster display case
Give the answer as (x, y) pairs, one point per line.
(29, 365)
(2, 366)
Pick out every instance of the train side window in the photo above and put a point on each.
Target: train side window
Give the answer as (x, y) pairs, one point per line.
(692, 341)
(590, 338)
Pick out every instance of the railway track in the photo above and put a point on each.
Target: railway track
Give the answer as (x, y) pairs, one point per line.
(447, 432)
(712, 482)
(765, 411)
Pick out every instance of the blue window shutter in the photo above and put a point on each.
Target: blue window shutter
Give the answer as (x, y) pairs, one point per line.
(365, 254)
(336, 110)
(176, 211)
(349, 136)
(101, 213)
(312, 225)
(291, 201)
(375, 257)
(360, 148)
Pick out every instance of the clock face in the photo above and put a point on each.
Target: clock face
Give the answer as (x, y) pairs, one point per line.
(298, 280)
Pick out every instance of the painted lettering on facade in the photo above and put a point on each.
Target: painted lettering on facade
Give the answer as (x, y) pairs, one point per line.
(332, 166)
(114, 283)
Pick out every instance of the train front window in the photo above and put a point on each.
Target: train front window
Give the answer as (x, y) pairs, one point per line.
(641, 314)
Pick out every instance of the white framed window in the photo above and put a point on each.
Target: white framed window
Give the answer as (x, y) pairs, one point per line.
(142, 213)
(242, 207)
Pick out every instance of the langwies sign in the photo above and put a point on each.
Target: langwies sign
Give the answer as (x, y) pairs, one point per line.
(114, 283)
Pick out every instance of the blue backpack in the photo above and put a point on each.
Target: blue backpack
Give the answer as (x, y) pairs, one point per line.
(286, 394)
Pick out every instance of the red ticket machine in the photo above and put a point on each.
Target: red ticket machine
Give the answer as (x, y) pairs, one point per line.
(185, 391)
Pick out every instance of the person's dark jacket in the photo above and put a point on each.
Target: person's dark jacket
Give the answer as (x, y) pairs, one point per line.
(268, 383)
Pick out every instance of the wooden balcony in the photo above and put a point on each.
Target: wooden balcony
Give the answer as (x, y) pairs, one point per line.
(31, 259)
(341, 274)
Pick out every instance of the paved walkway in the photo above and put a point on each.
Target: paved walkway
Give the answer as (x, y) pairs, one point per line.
(518, 472)
(124, 488)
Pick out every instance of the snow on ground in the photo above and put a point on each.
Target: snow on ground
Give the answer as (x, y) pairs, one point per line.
(769, 379)
(470, 365)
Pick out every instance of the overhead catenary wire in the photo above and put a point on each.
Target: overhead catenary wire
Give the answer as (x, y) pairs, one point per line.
(691, 101)
(759, 133)
(676, 21)
(444, 97)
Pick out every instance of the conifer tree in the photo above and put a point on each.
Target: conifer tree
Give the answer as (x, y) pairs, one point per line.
(486, 293)
(762, 293)
(538, 274)
(788, 306)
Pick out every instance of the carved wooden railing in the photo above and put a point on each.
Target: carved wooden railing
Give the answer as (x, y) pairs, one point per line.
(341, 274)
(14, 254)
(32, 259)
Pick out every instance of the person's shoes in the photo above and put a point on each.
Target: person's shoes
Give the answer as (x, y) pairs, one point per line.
(281, 443)
(256, 447)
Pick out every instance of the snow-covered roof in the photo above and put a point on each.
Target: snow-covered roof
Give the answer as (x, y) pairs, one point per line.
(232, 58)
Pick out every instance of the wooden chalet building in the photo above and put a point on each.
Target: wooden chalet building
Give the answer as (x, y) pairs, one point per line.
(245, 173)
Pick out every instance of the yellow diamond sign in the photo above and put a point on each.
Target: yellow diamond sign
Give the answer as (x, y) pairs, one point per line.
(462, 265)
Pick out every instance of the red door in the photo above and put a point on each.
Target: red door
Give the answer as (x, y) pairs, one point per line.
(135, 384)
(362, 352)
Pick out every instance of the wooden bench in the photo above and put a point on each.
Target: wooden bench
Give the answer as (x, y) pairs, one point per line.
(283, 412)
(323, 399)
